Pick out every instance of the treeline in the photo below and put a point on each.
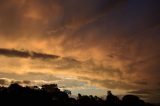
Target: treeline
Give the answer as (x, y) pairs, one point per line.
(51, 95)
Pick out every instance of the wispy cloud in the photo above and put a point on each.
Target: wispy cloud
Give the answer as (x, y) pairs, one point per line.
(26, 54)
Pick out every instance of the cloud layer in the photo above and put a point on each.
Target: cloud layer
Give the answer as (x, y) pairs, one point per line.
(25, 54)
(110, 44)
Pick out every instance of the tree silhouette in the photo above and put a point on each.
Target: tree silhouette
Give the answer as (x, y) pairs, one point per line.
(112, 100)
(51, 95)
(132, 100)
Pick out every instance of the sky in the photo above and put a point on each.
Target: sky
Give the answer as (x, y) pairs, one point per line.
(86, 46)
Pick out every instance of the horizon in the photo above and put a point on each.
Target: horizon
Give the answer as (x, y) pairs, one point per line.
(75, 96)
(86, 46)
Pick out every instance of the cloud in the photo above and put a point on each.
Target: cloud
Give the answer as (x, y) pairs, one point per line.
(151, 95)
(110, 40)
(4, 81)
(29, 76)
(38, 79)
(141, 82)
(141, 91)
(26, 54)
(23, 82)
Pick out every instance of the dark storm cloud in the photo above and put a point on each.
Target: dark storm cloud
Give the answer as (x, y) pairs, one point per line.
(26, 54)
(39, 16)
(88, 11)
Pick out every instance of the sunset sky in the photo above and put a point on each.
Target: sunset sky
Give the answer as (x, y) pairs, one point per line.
(86, 46)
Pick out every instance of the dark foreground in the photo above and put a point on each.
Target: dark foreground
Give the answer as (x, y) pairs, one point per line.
(50, 95)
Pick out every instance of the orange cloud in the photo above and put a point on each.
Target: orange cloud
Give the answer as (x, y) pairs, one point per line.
(104, 43)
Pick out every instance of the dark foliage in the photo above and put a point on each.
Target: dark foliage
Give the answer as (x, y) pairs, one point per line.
(50, 95)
